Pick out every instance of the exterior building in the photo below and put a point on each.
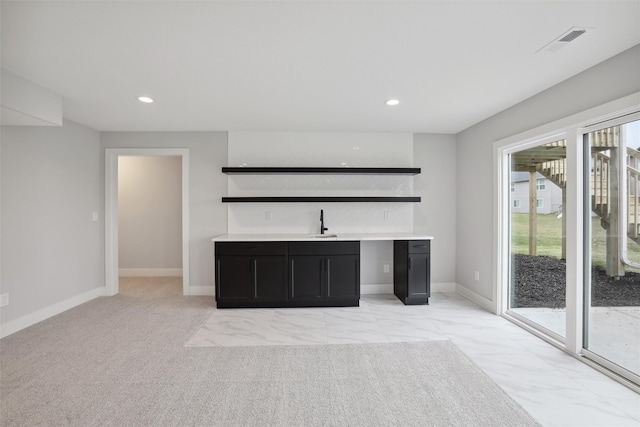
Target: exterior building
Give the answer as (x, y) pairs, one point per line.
(549, 195)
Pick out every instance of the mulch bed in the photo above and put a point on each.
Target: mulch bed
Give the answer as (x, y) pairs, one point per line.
(540, 281)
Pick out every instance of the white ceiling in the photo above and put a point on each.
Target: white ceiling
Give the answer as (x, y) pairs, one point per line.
(304, 65)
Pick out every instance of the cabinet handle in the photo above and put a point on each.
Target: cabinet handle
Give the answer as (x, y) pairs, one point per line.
(328, 277)
(409, 263)
(217, 278)
(255, 278)
(293, 281)
(420, 246)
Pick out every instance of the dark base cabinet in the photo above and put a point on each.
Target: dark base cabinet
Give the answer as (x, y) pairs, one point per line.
(250, 274)
(324, 273)
(281, 274)
(412, 271)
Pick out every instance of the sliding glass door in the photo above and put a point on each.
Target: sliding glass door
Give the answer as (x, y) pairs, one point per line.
(568, 236)
(611, 329)
(537, 196)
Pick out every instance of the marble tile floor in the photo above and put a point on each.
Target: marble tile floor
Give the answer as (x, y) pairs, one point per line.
(614, 331)
(555, 388)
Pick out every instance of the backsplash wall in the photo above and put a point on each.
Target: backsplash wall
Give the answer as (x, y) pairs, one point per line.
(329, 149)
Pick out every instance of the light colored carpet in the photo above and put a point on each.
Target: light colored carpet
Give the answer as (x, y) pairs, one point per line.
(122, 361)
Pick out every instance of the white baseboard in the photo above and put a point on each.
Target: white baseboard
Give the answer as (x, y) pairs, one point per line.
(443, 287)
(150, 272)
(373, 289)
(20, 323)
(483, 302)
(201, 291)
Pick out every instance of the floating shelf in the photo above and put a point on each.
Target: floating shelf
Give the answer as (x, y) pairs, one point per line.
(348, 199)
(319, 171)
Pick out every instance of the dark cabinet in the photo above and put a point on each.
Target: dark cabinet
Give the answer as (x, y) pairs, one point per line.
(281, 274)
(324, 273)
(343, 277)
(412, 271)
(250, 274)
(306, 278)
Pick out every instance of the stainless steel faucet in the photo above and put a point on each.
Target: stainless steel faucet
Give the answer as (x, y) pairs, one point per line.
(322, 227)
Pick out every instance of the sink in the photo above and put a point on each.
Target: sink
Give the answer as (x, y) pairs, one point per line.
(323, 236)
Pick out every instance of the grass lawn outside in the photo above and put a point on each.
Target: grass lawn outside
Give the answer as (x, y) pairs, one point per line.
(549, 238)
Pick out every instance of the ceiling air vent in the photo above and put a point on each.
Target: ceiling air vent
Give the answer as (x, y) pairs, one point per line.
(563, 40)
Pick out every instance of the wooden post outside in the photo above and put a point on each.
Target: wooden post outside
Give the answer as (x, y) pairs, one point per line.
(564, 222)
(533, 217)
(614, 265)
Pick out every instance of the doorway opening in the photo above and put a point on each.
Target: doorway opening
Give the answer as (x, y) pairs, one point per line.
(146, 215)
(149, 217)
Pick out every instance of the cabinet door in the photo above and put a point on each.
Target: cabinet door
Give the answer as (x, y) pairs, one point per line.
(343, 276)
(269, 278)
(418, 275)
(233, 278)
(306, 276)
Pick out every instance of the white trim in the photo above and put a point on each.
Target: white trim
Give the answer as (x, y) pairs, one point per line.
(574, 241)
(474, 297)
(612, 370)
(443, 287)
(387, 288)
(150, 272)
(111, 222)
(111, 211)
(208, 291)
(23, 322)
(376, 289)
(610, 110)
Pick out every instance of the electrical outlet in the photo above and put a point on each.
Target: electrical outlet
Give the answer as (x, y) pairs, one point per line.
(385, 268)
(476, 275)
(386, 215)
(267, 216)
(4, 300)
(94, 216)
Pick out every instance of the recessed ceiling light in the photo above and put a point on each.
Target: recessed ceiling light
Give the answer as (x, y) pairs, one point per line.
(145, 99)
(393, 102)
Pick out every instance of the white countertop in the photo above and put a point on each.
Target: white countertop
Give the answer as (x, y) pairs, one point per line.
(307, 237)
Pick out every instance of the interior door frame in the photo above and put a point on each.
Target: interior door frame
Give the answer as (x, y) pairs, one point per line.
(111, 211)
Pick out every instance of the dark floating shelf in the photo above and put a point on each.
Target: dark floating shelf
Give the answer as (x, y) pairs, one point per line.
(347, 199)
(319, 171)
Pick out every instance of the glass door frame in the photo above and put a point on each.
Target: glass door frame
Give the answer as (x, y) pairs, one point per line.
(571, 128)
(507, 152)
(583, 135)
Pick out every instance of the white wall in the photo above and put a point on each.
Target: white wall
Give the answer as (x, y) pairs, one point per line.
(330, 149)
(150, 214)
(608, 81)
(207, 186)
(52, 251)
(435, 154)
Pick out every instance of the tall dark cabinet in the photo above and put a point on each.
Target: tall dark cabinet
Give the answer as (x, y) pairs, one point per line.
(412, 271)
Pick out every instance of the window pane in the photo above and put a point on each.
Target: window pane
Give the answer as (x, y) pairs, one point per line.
(612, 283)
(538, 247)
